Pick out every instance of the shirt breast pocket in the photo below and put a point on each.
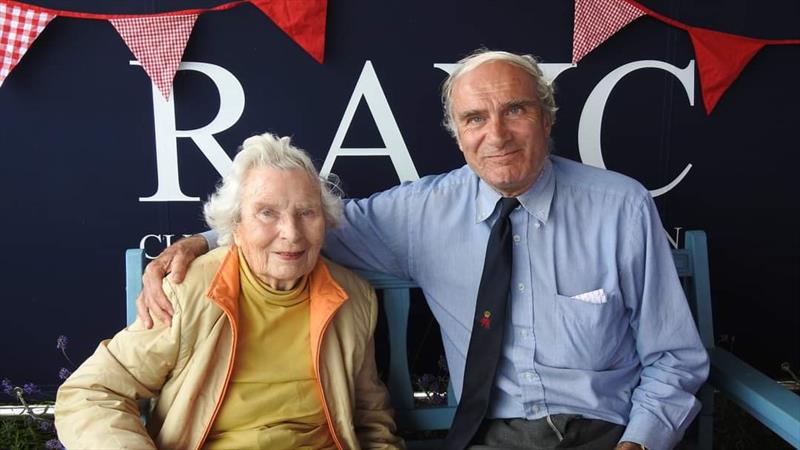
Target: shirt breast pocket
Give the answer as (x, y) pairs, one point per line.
(590, 330)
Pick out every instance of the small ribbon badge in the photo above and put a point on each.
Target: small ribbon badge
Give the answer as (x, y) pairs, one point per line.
(486, 320)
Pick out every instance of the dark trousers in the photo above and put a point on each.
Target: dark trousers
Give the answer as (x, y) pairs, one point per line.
(561, 431)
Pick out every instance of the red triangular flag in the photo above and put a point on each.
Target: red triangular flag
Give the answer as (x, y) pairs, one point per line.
(596, 21)
(158, 43)
(302, 20)
(19, 27)
(720, 59)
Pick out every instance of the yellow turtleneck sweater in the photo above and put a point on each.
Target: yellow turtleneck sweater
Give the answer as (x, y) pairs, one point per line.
(272, 401)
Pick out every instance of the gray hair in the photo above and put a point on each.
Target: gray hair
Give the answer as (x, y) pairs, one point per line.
(544, 89)
(223, 208)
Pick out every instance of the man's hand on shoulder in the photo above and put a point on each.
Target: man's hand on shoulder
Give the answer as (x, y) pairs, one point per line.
(173, 261)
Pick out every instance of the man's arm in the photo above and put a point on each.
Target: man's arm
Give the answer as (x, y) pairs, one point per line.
(674, 362)
(375, 233)
(173, 261)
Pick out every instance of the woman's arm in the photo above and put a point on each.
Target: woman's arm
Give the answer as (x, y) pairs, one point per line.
(373, 416)
(97, 406)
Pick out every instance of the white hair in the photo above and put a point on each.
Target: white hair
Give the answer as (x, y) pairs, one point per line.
(223, 208)
(544, 90)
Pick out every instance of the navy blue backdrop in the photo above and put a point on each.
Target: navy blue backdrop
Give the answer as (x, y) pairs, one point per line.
(77, 135)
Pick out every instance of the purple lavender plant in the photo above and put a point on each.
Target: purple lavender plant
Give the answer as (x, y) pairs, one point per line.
(31, 389)
(40, 424)
(54, 444)
(64, 373)
(45, 426)
(61, 344)
(8, 387)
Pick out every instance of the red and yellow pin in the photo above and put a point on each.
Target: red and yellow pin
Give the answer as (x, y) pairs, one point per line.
(486, 320)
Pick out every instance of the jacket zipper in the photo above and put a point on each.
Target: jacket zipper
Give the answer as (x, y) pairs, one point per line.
(234, 330)
(319, 382)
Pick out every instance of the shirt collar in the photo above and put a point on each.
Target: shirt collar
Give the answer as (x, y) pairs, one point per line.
(536, 200)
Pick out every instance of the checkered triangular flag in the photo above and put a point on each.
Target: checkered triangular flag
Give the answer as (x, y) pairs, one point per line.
(598, 20)
(19, 27)
(158, 43)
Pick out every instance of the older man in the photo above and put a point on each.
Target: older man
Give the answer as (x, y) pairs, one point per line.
(598, 348)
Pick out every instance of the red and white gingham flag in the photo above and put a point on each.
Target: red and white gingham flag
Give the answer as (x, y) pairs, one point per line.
(158, 43)
(598, 20)
(19, 27)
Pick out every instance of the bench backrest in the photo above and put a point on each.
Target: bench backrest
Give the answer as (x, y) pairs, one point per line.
(691, 263)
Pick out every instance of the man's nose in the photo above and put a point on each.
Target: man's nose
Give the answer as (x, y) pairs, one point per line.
(498, 133)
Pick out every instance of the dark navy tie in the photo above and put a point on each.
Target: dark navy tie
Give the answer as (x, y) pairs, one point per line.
(486, 341)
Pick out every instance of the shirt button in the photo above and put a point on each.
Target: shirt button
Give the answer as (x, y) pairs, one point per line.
(517, 239)
(524, 333)
(537, 224)
(529, 376)
(521, 287)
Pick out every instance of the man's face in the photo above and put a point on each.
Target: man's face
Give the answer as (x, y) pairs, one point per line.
(282, 225)
(501, 129)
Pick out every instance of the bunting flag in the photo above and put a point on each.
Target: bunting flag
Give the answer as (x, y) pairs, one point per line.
(303, 20)
(158, 43)
(19, 27)
(598, 20)
(720, 59)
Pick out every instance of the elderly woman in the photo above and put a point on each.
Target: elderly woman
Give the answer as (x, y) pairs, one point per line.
(270, 346)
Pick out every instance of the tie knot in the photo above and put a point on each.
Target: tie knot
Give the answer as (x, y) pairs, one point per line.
(506, 206)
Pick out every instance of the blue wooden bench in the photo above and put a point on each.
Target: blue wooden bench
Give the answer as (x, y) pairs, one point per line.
(763, 398)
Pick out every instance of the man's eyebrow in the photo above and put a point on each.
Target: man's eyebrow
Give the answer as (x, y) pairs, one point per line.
(521, 102)
(470, 113)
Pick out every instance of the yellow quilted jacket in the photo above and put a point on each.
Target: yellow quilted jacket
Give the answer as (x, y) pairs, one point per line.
(187, 366)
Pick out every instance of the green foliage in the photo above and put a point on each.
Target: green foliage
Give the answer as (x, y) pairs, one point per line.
(24, 432)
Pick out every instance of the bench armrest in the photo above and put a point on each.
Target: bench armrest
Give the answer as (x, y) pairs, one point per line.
(773, 405)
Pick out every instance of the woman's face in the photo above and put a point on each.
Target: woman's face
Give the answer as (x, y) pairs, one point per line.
(282, 227)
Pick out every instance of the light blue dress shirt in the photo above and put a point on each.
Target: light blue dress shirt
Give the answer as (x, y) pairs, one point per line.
(599, 324)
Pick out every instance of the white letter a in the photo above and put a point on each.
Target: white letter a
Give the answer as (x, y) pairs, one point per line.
(369, 87)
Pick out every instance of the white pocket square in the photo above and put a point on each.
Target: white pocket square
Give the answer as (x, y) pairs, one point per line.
(597, 296)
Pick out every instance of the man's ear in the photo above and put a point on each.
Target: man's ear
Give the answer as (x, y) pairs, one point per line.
(548, 127)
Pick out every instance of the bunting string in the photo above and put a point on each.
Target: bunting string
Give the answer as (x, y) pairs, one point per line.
(100, 16)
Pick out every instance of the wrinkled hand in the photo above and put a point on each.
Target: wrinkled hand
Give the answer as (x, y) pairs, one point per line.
(625, 445)
(173, 261)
